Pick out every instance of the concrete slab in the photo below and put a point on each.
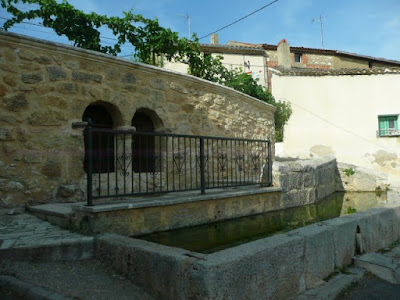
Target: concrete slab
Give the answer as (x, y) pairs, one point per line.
(381, 266)
(63, 209)
(172, 199)
(332, 288)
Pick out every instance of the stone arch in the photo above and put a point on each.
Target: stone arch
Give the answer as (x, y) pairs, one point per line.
(143, 145)
(103, 116)
(152, 115)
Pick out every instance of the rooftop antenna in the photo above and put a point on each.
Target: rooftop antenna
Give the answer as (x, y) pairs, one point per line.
(187, 18)
(320, 19)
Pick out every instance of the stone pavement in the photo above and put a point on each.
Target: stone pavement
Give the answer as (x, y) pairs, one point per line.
(25, 237)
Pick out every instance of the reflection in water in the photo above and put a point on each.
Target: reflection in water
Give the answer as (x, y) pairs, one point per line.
(221, 235)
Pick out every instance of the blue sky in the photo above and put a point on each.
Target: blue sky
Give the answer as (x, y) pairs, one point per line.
(369, 27)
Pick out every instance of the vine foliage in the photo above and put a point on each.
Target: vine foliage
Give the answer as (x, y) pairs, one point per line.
(152, 43)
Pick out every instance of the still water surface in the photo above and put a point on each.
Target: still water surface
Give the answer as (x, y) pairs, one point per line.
(221, 235)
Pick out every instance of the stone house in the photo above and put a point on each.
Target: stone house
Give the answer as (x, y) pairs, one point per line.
(260, 60)
(47, 88)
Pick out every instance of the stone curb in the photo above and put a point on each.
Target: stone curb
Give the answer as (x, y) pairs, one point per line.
(73, 250)
(28, 290)
(332, 288)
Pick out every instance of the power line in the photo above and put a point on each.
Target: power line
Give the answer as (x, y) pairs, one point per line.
(237, 21)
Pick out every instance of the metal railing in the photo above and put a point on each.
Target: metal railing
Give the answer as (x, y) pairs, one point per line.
(387, 132)
(122, 163)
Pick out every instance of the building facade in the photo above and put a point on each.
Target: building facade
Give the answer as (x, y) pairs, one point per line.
(350, 114)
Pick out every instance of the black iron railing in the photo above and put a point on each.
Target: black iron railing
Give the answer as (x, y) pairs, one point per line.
(124, 163)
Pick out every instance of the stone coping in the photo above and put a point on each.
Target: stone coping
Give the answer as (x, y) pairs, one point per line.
(98, 56)
(172, 198)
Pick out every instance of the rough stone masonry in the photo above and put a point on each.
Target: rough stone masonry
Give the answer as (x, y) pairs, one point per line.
(45, 87)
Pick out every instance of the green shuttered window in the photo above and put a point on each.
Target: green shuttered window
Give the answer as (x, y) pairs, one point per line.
(388, 125)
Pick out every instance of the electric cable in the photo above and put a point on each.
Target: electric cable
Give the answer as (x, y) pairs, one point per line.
(238, 20)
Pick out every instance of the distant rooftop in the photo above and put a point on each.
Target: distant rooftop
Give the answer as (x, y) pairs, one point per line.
(337, 72)
(236, 49)
(244, 45)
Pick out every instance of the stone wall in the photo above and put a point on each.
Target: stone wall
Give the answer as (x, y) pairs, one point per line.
(305, 181)
(45, 87)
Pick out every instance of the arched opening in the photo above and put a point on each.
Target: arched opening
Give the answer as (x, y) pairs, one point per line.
(143, 145)
(103, 142)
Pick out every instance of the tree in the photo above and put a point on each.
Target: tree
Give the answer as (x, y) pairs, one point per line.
(147, 36)
(150, 41)
(211, 68)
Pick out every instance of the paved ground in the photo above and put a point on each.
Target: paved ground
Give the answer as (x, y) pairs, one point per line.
(371, 287)
(88, 279)
(24, 235)
(23, 230)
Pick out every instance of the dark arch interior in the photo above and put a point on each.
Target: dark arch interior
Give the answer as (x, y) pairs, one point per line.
(143, 145)
(103, 143)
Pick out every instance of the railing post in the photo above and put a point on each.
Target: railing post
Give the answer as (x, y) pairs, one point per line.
(202, 168)
(90, 163)
(269, 163)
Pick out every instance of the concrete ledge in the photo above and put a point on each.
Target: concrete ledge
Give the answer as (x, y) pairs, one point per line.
(28, 290)
(332, 288)
(172, 199)
(174, 211)
(67, 251)
(379, 265)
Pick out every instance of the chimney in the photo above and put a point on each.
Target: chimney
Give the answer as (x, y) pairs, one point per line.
(283, 51)
(214, 39)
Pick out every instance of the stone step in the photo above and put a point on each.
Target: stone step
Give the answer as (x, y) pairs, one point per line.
(332, 288)
(51, 251)
(381, 266)
(56, 214)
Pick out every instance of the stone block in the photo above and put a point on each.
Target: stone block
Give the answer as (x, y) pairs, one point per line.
(319, 252)
(44, 60)
(156, 96)
(158, 269)
(255, 269)
(344, 235)
(7, 134)
(378, 227)
(32, 78)
(10, 80)
(52, 169)
(16, 102)
(129, 78)
(33, 156)
(46, 118)
(68, 88)
(177, 87)
(26, 54)
(86, 77)
(56, 73)
(13, 186)
(3, 90)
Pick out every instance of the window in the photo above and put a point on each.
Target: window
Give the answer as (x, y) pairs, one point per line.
(297, 57)
(388, 125)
